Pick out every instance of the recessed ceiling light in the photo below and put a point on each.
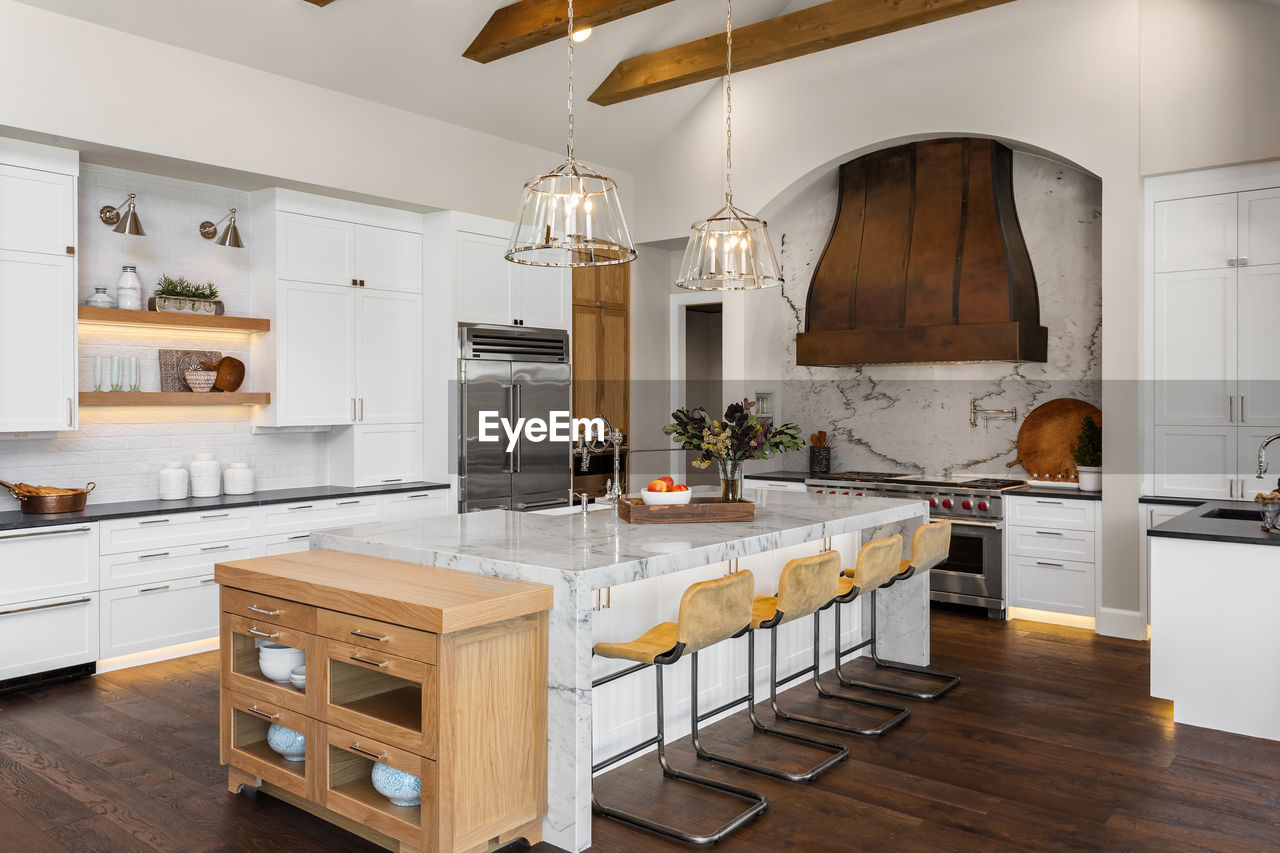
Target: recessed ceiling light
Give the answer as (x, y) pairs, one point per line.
(582, 35)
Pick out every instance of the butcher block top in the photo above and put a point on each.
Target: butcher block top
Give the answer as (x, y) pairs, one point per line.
(424, 597)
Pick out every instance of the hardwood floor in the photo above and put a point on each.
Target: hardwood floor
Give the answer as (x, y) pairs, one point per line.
(1051, 743)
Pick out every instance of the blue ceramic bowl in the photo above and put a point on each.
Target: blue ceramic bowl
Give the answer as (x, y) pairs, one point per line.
(402, 789)
(292, 745)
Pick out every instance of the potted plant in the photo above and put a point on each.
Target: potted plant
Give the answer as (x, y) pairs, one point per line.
(178, 294)
(727, 442)
(1088, 455)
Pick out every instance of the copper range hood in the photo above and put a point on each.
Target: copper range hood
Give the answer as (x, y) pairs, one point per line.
(925, 262)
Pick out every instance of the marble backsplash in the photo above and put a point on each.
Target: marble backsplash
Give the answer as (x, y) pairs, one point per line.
(916, 417)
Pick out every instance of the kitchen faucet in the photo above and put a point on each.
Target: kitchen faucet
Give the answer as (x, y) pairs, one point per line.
(1262, 454)
(613, 488)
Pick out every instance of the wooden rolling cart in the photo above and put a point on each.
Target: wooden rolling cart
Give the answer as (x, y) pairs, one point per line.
(439, 673)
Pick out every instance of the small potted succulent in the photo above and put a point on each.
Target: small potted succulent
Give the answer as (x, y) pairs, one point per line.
(1088, 455)
(178, 294)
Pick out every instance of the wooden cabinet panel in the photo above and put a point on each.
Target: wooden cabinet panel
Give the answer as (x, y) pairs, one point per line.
(240, 639)
(246, 720)
(586, 344)
(380, 636)
(602, 287)
(346, 764)
(391, 698)
(602, 345)
(613, 359)
(278, 611)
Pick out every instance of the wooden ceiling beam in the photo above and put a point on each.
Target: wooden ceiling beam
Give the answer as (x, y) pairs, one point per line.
(530, 23)
(830, 24)
(319, 2)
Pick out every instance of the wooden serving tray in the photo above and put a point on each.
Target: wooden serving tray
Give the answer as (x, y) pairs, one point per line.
(635, 511)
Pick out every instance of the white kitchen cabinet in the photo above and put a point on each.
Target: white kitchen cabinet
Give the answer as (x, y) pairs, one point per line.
(1195, 462)
(1258, 368)
(483, 289)
(37, 210)
(316, 349)
(316, 250)
(1259, 228)
(155, 533)
(152, 616)
(1195, 233)
(1062, 513)
(542, 297)
(1051, 554)
(306, 516)
(1056, 586)
(1195, 362)
(387, 259)
(168, 563)
(1074, 545)
(43, 562)
(37, 342)
(388, 337)
(376, 454)
(284, 543)
(414, 506)
(51, 633)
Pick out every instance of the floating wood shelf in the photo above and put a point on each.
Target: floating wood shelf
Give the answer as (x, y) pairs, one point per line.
(173, 398)
(171, 320)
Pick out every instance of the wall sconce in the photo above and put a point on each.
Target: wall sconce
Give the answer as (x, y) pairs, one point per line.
(127, 224)
(230, 235)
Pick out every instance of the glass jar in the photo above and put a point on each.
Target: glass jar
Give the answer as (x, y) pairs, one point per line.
(129, 289)
(100, 299)
(730, 479)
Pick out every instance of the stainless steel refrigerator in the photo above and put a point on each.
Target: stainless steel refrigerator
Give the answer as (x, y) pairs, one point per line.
(518, 372)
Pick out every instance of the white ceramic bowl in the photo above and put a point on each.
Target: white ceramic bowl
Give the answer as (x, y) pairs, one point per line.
(277, 661)
(298, 677)
(666, 498)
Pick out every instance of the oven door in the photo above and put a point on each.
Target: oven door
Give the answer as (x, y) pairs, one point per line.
(973, 572)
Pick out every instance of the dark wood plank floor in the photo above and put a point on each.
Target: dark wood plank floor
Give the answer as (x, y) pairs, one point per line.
(1051, 743)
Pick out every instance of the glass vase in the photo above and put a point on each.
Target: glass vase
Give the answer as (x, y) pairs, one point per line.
(730, 479)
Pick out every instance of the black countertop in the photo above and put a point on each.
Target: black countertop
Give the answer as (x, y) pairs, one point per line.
(130, 509)
(1199, 524)
(785, 476)
(1157, 499)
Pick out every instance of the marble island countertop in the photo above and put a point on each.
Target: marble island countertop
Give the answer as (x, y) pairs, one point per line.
(601, 550)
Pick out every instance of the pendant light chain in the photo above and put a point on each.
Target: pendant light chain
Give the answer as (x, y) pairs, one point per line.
(570, 146)
(728, 103)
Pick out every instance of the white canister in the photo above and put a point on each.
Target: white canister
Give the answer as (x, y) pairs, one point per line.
(206, 477)
(237, 479)
(129, 289)
(173, 482)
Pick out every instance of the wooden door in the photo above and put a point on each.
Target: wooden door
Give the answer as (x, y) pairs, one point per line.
(389, 357)
(1195, 348)
(1195, 233)
(37, 342)
(1259, 240)
(316, 354)
(316, 250)
(603, 287)
(586, 370)
(37, 211)
(614, 369)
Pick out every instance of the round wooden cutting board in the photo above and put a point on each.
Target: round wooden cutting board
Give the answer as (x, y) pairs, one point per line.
(1047, 436)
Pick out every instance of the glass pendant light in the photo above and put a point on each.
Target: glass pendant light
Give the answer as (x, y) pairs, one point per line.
(730, 249)
(571, 216)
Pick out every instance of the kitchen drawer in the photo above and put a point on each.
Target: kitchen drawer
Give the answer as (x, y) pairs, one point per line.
(413, 506)
(1054, 513)
(152, 616)
(1058, 586)
(161, 532)
(305, 516)
(245, 721)
(346, 763)
(44, 562)
(144, 567)
(36, 636)
(372, 634)
(1075, 545)
(284, 543)
(277, 611)
(390, 698)
(240, 671)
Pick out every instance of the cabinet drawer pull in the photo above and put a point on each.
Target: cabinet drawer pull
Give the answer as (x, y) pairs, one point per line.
(358, 633)
(348, 503)
(299, 536)
(376, 756)
(1051, 565)
(1053, 503)
(1048, 533)
(215, 515)
(215, 547)
(46, 533)
(209, 580)
(45, 606)
(394, 480)
(254, 630)
(302, 506)
(416, 497)
(253, 709)
(153, 521)
(256, 609)
(153, 556)
(378, 664)
(153, 588)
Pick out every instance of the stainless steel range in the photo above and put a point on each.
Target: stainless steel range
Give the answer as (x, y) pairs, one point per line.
(974, 572)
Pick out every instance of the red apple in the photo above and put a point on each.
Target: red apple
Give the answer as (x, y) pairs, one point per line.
(657, 486)
(680, 487)
(671, 484)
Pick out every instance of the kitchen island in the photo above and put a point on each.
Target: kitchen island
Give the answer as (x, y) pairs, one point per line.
(1217, 661)
(581, 555)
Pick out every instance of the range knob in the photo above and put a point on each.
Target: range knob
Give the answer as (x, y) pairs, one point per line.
(946, 503)
(858, 494)
(983, 506)
(844, 493)
(933, 502)
(966, 504)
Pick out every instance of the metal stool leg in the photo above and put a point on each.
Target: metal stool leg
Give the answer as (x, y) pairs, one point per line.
(927, 696)
(758, 801)
(839, 750)
(899, 716)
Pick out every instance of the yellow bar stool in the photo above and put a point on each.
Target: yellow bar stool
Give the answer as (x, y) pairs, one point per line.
(809, 585)
(710, 612)
(930, 545)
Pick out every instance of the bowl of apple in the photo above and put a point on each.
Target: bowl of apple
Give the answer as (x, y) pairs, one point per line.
(665, 491)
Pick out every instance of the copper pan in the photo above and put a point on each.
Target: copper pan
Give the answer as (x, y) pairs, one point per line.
(65, 500)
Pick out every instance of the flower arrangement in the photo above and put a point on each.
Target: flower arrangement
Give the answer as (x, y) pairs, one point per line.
(728, 441)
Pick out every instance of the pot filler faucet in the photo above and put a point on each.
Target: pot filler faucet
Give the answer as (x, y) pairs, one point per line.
(1262, 454)
(613, 488)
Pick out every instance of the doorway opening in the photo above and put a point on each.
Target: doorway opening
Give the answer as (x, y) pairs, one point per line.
(700, 381)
